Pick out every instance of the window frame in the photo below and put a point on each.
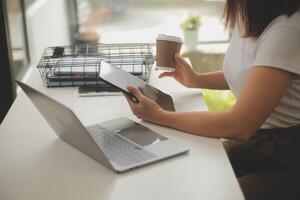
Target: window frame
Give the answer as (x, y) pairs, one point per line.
(7, 87)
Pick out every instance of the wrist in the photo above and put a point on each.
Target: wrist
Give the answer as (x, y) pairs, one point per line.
(162, 117)
(195, 80)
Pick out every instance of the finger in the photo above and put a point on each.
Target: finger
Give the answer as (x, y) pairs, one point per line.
(126, 96)
(181, 60)
(128, 99)
(167, 74)
(136, 92)
(131, 104)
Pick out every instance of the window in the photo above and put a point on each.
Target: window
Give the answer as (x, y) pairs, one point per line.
(16, 24)
(142, 20)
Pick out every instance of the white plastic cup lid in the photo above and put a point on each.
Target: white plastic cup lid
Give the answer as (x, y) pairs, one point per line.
(169, 38)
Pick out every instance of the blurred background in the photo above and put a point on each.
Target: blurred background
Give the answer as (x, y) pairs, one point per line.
(33, 25)
(142, 20)
(36, 24)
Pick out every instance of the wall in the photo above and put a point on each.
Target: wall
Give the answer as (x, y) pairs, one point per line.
(47, 25)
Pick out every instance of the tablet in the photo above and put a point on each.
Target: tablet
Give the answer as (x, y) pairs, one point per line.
(121, 79)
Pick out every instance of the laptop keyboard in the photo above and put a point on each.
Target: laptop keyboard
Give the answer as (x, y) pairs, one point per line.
(117, 148)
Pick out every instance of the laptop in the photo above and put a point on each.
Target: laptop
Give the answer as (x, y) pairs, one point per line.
(121, 79)
(119, 144)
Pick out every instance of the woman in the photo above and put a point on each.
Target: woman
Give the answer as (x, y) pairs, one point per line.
(262, 68)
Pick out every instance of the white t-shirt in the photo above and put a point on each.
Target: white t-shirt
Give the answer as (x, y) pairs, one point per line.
(277, 47)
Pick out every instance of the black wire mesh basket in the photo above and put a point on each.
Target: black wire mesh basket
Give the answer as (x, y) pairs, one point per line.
(68, 66)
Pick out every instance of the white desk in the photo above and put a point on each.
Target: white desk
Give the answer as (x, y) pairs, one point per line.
(36, 165)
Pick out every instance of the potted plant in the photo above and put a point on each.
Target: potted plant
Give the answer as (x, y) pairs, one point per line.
(190, 27)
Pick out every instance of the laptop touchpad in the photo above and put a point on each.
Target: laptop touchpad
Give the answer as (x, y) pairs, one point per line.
(141, 135)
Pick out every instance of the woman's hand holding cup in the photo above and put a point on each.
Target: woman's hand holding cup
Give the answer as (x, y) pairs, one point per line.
(183, 73)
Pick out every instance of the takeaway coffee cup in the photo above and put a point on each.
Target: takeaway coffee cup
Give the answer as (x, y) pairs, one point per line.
(166, 48)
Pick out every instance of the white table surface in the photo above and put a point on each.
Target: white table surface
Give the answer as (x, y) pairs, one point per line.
(36, 165)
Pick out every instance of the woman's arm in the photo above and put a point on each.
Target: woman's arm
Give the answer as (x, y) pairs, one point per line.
(261, 93)
(185, 75)
(212, 80)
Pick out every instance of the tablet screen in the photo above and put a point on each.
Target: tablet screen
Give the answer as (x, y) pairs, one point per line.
(122, 80)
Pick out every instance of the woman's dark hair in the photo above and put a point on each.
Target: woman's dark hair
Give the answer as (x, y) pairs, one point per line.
(255, 15)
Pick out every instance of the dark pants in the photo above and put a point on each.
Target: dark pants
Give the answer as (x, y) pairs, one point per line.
(268, 165)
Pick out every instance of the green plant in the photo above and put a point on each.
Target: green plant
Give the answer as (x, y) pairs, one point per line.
(192, 22)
